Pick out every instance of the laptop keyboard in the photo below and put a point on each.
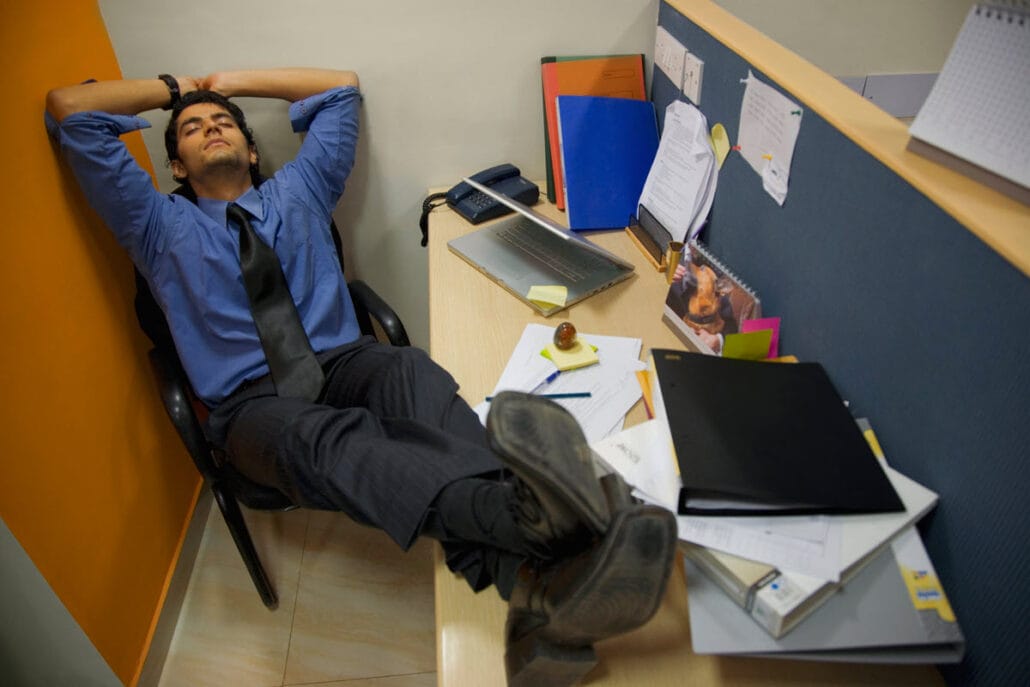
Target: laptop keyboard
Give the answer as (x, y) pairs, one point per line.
(551, 250)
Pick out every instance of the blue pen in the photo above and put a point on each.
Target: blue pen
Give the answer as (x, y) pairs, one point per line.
(550, 378)
(571, 394)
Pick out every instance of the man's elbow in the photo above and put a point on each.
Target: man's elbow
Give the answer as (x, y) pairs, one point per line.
(350, 79)
(60, 103)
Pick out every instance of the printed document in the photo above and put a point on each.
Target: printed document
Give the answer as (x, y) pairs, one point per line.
(680, 186)
(611, 383)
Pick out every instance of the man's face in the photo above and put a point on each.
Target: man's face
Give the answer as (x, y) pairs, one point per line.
(209, 140)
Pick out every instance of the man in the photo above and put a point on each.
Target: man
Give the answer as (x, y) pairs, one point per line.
(378, 432)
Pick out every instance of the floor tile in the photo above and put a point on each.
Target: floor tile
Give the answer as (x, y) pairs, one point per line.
(225, 635)
(364, 607)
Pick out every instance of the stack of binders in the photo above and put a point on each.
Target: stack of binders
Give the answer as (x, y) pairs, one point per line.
(601, 136)
(888, 605)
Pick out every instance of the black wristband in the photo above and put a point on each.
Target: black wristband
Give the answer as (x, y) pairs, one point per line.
(173, 90)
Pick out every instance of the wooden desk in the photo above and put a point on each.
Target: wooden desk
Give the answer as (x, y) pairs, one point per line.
(465, 306)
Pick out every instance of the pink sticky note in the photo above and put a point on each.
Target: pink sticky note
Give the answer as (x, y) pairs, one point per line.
(772, 323)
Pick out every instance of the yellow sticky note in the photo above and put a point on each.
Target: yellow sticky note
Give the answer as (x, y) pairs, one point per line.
(720, 143)
(580, 355)
(548, 295)
(748, 346)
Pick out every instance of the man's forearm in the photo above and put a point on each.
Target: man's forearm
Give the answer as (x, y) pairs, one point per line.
(128, 97)
(290, 83)
(132, 96)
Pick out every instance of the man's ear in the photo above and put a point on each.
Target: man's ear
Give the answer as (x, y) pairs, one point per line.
(178, 169)
(253, 155)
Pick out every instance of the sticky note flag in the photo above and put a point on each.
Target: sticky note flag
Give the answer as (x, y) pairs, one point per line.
(772, 323)
(749, 346)
(580, 355)
(720, 143)
(546, 296)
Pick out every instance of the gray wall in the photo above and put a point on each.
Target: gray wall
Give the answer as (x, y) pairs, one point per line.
(848, 38)
(453, 86)
(450, 87)
(41, 645)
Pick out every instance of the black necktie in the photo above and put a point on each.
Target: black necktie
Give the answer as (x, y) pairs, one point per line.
(295, 370)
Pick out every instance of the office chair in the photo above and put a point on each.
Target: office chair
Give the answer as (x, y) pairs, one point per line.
(229, 487)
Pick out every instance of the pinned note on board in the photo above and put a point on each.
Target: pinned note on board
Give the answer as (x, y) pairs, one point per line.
(769, 127)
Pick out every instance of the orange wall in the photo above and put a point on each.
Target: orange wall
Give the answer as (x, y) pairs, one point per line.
(94, 485)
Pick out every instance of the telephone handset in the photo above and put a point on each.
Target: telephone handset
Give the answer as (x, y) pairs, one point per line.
(476, 206)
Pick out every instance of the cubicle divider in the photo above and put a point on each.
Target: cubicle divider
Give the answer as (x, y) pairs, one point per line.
(917, 320)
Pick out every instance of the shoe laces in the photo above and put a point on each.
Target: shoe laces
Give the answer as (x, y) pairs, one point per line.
(526, 508)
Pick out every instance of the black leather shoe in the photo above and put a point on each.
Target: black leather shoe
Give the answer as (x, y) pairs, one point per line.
(555, 615)
(560, 507)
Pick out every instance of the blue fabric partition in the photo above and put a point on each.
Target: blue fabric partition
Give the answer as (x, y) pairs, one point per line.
(922, 327)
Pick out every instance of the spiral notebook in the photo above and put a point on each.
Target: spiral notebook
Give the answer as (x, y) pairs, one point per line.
(706, 301)
(977, 117)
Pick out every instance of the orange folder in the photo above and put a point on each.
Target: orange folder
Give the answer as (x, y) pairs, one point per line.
(618, 76)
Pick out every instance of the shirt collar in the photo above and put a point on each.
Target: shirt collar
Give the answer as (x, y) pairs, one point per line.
(249, 201)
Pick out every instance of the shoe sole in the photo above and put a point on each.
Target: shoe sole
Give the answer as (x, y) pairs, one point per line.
(623, 580)
(619, 588)
(541, 442)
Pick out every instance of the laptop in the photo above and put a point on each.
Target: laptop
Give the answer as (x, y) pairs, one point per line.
(528, 249)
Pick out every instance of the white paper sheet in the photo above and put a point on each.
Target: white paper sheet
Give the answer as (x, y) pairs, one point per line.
(680, 186)
(769, 126)
(643, 456)
(611, 382)
(816, 552)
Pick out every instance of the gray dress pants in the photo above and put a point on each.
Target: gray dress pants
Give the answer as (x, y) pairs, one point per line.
(388, 432)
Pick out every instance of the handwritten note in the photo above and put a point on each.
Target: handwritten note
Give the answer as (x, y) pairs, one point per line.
(769, 126)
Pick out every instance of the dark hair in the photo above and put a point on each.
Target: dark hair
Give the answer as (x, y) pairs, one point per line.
(197, 97)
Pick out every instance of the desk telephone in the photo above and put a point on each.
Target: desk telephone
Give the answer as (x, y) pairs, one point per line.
(476, 206)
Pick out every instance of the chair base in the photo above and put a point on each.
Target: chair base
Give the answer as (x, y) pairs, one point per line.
(233, 517)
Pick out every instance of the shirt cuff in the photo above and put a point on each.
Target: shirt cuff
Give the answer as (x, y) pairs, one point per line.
(303, 111)
(121, 124)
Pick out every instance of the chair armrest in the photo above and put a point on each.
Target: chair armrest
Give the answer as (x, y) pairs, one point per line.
(174, 388)
(367, 303)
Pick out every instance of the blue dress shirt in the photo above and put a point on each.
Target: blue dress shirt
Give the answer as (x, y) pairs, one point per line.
(190, 255)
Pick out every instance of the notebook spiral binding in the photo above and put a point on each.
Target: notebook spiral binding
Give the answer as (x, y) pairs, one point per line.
(696, 244)
(1000, 9)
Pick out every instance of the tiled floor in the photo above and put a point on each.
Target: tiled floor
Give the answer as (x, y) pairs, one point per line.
(354, 610)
